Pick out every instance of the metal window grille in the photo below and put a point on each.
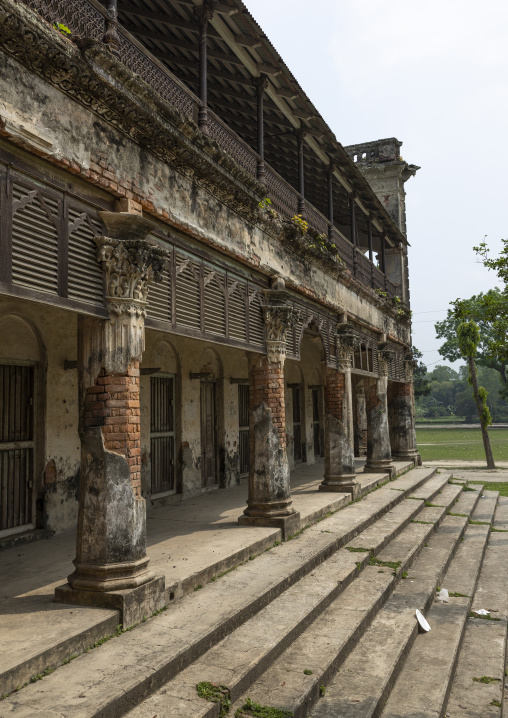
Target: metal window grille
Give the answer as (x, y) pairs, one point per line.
(17, 446)
(162, 433)
(243, 421)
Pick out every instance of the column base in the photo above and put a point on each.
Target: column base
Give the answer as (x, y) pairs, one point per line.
(134, 604)
(406, 455)
(380, 466)
(345, 483)
(270, 509)
(110, 576)
(288, 525)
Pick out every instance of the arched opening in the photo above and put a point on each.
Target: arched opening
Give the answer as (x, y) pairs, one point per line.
(160, 391)
(211, 413)
(22, 405)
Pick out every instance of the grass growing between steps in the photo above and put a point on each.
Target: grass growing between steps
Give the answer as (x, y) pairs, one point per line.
(487, 680)
(254, 710)
(215, 693)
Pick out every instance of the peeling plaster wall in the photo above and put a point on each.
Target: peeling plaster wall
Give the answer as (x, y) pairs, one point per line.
(58, 447)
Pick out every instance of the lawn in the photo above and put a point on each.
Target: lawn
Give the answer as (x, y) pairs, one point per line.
(463, 444)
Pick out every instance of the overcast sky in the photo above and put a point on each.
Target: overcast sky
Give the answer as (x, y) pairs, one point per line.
(434, 74)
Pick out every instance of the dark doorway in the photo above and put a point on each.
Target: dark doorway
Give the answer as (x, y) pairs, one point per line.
(297, 424)
(209, 457)
(316, 424)
(17, 448)
(243, 429)
(162, 433)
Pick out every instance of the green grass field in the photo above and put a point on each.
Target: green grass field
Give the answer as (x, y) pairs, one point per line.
(462, 444)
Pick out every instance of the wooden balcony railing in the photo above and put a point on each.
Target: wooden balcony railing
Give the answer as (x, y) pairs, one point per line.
(87, 18)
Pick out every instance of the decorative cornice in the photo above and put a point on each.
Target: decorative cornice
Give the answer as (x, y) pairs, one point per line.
(92, 76)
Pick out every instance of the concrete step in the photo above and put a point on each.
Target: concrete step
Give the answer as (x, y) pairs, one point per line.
(430, 489)
(345, 619)
(467, 502)
(486, 507)
(364, 681)
(155, 653)
(282, 686)
(425, 693)
(484, 648)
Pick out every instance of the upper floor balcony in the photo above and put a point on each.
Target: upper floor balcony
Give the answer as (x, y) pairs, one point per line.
(215, 66)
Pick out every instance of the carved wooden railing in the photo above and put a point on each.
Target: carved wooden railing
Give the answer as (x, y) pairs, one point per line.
(87, 18)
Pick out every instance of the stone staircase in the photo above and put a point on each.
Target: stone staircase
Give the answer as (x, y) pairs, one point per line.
(323, 625)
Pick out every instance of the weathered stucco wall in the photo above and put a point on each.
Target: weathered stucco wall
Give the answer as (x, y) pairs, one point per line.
(47, 336)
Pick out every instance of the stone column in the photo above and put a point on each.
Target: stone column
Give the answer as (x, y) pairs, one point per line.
(402, 417)
(269, 501)
(339, 434)
(379, 454)
(361, 419)
(111, 565)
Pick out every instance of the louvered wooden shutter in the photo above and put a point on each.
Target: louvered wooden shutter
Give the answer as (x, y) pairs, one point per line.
(159, 298)
(214, 303)
(237, 315)
(34, 239)
(256, 322)
(85, 276)
(188, 295)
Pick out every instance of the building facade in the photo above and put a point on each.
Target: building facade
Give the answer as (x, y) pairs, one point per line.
(198, 284)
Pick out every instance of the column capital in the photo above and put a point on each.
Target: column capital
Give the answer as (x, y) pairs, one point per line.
(346, 342)
(204, 13)
(129, 266)
(409, 368)
(384, 357)
(260, 83)
(279, 317)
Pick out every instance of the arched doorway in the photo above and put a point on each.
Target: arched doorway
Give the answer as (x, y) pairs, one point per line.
(21, 424)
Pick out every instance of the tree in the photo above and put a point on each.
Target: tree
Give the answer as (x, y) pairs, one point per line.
(492, 349)
(468, 337)
(421, 383)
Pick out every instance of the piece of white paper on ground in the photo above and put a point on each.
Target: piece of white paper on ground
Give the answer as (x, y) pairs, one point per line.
(422, 621)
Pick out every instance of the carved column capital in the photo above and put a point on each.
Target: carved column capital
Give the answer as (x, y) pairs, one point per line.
(129, 266)
(409, 369)
(384, 357)
(346, 343)
(279, 317)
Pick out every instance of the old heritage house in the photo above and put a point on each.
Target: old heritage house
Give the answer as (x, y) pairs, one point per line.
(199, 285)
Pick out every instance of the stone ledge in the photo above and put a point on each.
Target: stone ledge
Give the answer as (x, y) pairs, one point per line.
(134, 604)
(288, 525)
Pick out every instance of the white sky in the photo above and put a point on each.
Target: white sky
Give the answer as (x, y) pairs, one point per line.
(434, 74)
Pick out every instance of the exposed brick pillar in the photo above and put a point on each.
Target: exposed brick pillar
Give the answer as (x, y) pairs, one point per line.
(339, 434)
(402, 417)
(113, 404)
(269, 501)
(379, 454)
(111, 539)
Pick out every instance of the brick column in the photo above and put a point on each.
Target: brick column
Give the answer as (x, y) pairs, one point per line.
(379, 454)
(339, 435)
(269, 501)
(402, 417)
(111, 539)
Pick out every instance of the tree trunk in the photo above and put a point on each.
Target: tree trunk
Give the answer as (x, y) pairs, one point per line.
(479, 406)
